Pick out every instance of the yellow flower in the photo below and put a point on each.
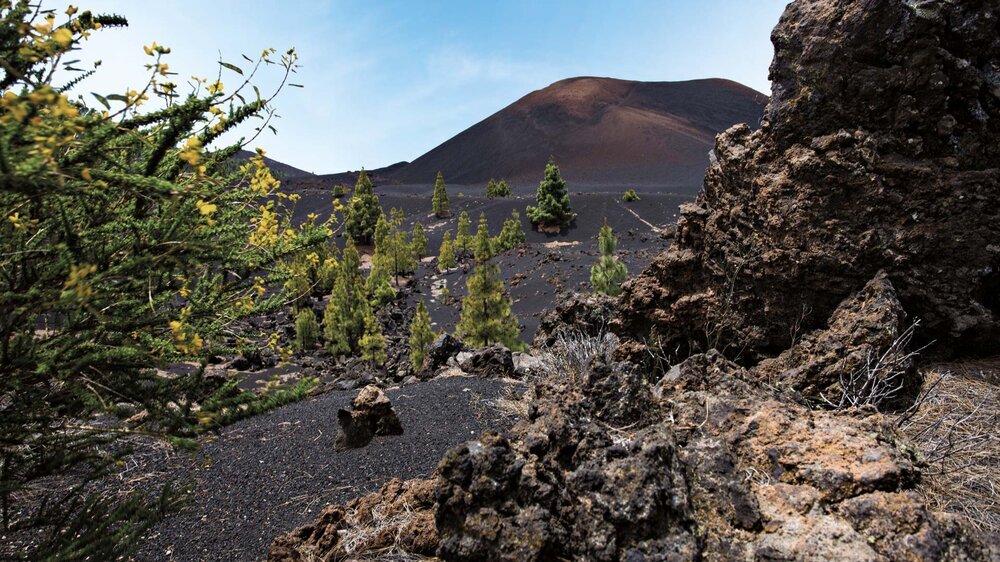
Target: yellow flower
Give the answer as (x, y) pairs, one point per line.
(205, 208)
(77, 282)
(215, 88)
(85, 174)
(71, 10)
(63, 37)
(191, 152)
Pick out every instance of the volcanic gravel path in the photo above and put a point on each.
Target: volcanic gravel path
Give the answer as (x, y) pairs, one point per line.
(271, 473)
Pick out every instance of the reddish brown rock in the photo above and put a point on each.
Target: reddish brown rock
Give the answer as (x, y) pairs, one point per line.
(398, 518)
(372, 415)
(878, 152)
(861, 352)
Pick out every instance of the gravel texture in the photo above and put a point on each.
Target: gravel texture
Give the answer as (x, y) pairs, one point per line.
(269, 474)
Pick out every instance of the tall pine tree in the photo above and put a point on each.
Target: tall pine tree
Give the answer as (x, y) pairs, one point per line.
(482, 243)
(463, 238)
(552, 210)
(343, 319)
(607, 275)
(439, 202)
(419, 240)
(446, 255)
(421, 336)
(486, 316)
(363, 211)
(372, 342)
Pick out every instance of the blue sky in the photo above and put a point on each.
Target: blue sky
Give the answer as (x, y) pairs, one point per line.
(387, 81)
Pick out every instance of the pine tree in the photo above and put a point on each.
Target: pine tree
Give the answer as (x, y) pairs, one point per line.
(552, 198)
(496, 189)
(363, 211)
(372, 342)
(511, 235)
(486, 317)
(381, 231)
(378, 287)
(463, 239)
(343, 319)
(421, 336)
(482, 244)
(446, 255)
(607, 275)
(419, 240)
(306, 329)
(439, 202)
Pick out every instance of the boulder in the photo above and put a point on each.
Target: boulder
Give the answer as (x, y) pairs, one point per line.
(372, 415)
(441, 350)
(873, 155)
(495, 361)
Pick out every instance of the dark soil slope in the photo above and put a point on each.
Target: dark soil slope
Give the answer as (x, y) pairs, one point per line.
(600, 130)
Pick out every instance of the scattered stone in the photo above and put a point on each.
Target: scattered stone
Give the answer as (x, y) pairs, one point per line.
(443, 348)
(494, 361)
(372, 415)
(527, 366)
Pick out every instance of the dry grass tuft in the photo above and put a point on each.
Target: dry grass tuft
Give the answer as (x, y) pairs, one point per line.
(954, 427)
(356, 542)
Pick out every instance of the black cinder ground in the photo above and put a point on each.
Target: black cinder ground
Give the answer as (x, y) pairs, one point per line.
(269, 474)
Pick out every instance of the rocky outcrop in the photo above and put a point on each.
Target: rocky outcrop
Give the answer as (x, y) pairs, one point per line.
(861, 357)
(575, 313)
(372, 415)
(878, 151)
(724, 471)
(492, 361)
(398, 518)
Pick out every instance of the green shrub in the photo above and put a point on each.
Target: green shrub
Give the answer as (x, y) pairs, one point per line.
(630, 196)
(552, 210)
(306, 329)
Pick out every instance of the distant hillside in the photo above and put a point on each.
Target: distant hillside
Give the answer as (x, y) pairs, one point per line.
(379, 176)
(279, 169)
(600, 130)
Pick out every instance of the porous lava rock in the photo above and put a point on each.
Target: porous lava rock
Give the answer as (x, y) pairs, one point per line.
(371, 415)
(397, 518)
(491, 361)
(575, 313)
(724, 471)
(878, 151)
(860, 351)
(441, 350)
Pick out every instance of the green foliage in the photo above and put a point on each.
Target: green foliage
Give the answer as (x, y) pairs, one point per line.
(128, 240)
(552, 199)
(419, 240)
(344, 317)
(607, 275)
(483, 245)
(486, 317)
(439, 202)
(363, 211)
(393, 251)
(306, 329)
(379, 287)
(496, 189)
(511, 235)
(372, 343)
(630, 195)
(381, 231)
(463, 239)
(339, 190)
(446, 255)
(421, 336)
